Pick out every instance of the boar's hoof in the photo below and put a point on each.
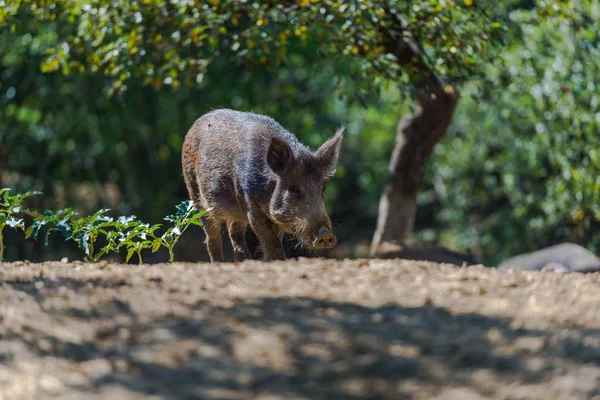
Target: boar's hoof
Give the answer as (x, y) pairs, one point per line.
(325, 240)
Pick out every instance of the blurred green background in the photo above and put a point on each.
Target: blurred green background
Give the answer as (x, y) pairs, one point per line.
(517, 170)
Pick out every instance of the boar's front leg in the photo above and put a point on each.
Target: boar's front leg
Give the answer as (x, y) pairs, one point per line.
(269, 236)
(238, 240)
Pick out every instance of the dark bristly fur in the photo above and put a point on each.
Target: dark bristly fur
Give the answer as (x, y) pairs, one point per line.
(251, 171)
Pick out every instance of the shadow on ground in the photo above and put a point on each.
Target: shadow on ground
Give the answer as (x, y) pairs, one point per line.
(283, 347)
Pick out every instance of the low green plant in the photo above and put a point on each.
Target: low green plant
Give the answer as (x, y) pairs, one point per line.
(122, 232)
(10, 208)
(186, 216)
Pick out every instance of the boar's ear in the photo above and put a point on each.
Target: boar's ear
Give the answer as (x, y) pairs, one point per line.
(279, 155)
(328, 153)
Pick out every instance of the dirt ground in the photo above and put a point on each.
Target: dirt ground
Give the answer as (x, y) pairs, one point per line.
(301, 329)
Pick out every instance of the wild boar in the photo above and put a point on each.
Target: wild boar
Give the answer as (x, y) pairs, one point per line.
(251, 171)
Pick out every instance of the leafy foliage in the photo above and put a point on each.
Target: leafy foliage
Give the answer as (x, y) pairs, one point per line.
(173, 43)
(186, 215)
(10, 208)
(123, 232)
(520, 169)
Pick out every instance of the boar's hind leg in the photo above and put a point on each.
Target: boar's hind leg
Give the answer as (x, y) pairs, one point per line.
(269, 237)
(237, 232)
(214, 243)
(189, 174)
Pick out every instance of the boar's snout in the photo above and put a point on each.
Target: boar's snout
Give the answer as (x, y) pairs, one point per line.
(325, 240)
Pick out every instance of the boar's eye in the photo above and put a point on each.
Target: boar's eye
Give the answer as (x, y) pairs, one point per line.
(295, 190)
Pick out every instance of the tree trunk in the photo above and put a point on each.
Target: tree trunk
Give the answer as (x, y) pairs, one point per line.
(416, 138)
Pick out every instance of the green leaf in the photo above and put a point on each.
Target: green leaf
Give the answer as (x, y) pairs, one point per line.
(172, 218)
(35, 227)
(65, 228)
(125, 220)
(156, 245)
(83, 242)
(29, 194)
(185, 207)
(98, 214)
(130, 253)
(167, 237)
